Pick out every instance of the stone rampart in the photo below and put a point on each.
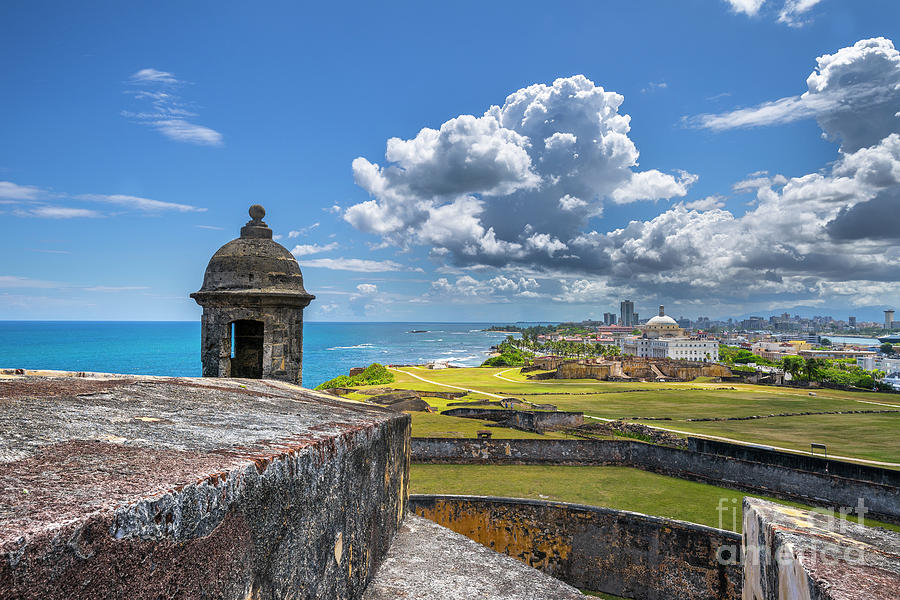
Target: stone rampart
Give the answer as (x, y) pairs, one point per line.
(801, 462)
(618, 552)
(529, 420)
(813, 486)
(639, 368)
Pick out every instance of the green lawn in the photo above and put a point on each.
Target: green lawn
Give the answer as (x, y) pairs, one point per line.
(865, 436)
(872, 437)
(621, 488)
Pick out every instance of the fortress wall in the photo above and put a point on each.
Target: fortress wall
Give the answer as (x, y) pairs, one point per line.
(814, 486)
(802, 462)
(575, 370)
(600, 549)
(529, 420)
(544, 420)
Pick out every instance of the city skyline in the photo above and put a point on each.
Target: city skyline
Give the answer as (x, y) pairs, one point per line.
(467, 163)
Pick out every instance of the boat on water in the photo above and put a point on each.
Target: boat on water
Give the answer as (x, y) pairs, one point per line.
(893, 338)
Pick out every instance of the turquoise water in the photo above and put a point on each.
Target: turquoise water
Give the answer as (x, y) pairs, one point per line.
(173, 348)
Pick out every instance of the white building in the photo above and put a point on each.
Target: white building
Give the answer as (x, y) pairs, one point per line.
(663, 338)
(880, 362)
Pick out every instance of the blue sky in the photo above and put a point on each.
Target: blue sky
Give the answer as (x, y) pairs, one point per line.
(136, 136)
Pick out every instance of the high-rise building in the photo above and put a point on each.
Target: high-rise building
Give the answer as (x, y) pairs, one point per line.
(888, 319)
(851, 321)
(626, 313)
(609, 318)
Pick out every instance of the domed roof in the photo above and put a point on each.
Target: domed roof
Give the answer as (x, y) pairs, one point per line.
(254, 264)
(662, 320)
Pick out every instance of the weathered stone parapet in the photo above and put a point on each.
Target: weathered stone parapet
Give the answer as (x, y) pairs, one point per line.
(600, 549)
(792, 554)
(188, 488)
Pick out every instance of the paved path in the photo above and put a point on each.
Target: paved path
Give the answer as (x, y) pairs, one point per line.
(700, 435)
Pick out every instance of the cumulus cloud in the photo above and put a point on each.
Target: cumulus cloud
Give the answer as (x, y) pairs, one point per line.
(708, 203)
(854, 94)
(513, 185)
(163, 110)
(830, 233)
(307, 249)
(497, 289)
(653, 185)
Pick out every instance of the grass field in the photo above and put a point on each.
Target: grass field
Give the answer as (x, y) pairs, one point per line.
(621, 488)
(871, 436)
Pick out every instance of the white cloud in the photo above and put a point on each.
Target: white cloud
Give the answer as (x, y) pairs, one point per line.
(571, 203)
(497, 289)
(833, 232)
(184, 131)
(13, 191)
(58, 212)
(138, 203)
(356, 264)
(748, 7)
(792, 12)
(653, 86)
(512, 184)
(302, 231)
(307, 249)
(367, 288)
(708, 203)
(154, 76)
(853, 93)
(587, 291)
(13, 281)
(163, 110)
(651, 185)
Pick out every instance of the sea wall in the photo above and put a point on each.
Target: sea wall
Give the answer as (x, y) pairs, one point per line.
(618, 552)
(816, 485)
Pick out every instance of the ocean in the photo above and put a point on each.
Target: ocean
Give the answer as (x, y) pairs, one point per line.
(173, 348)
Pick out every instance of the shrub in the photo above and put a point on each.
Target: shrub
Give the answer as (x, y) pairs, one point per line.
(374, 374)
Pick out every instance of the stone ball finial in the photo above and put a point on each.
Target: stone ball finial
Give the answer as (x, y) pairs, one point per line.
(257, 212)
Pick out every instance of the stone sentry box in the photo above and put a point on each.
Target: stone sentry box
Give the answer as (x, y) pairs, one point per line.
(253, 300)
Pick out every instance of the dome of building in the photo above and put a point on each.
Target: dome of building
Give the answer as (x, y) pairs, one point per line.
(254, 263)
(662, 320)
